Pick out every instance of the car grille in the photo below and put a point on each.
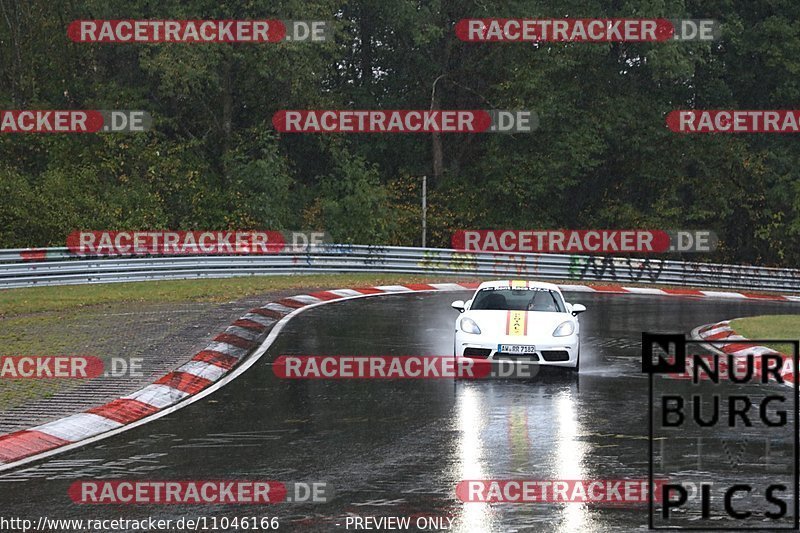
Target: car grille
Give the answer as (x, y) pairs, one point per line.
(555, 355)
(483, 353)
(515, 356)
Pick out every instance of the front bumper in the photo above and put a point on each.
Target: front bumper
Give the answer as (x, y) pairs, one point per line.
(555, 351)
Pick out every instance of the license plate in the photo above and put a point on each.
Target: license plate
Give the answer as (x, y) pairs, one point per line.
(515, 348)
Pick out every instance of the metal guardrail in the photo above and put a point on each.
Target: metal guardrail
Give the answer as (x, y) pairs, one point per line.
(57, 266)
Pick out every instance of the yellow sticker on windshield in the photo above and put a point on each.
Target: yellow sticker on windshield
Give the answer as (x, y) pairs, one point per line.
(517, 284)
(517, 323)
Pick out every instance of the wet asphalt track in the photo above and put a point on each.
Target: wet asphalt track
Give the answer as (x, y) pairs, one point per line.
(400, 448)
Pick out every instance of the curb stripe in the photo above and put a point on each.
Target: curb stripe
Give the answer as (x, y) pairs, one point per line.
(159, 396)
(269, 313)
(234, 340)
(184, 382)
(393, 288)
(757, 296)
(325, 295)
(719, 335)
(227, 349)
(717, 294)
(755, 350)
(713, 328)
(21, 444)
(736, 347)
(369, 290)
(216, 358)
(641, 290)
(291, 303)
(684, 292)
(282, 309)
(419, 287)
(447, 286)
(609, 288)
(342, 293)
(259, 319)
(735, 337)
(306, 299)
(244, 333)
(576, 288)
(203, 370)
(252, 325)
(78, 427)
(124, 411)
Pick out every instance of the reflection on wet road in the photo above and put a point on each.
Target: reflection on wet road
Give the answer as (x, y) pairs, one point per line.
(398, 448)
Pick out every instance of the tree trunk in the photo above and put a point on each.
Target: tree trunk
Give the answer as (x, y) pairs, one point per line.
(436, 138)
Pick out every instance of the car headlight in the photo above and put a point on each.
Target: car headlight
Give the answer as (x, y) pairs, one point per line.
(469, 326)
(564, 329)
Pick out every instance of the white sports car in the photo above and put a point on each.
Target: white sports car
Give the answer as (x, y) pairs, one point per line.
(521, 321)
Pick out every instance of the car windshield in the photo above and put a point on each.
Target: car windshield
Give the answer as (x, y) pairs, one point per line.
(518, 300)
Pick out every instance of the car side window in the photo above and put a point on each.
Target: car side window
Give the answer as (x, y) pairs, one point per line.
(558, 302)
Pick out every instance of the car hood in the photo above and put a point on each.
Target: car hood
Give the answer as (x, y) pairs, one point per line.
(539, 323)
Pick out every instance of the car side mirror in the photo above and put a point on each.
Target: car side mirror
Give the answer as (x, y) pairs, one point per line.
(578, 309)
(458, 305)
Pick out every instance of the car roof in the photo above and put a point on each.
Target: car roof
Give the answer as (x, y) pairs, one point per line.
(503, 283)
